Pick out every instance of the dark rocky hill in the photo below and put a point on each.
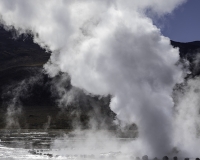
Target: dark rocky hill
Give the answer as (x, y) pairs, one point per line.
(30, 99)
(191, 52)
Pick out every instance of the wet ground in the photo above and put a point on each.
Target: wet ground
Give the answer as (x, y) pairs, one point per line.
(28, 144)
(37, 144)
(27, 139)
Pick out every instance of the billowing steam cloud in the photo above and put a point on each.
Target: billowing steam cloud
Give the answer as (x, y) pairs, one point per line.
(187, 123)
(109, 47)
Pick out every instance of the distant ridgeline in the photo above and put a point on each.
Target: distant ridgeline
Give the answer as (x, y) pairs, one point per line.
(30, 99)
(191, 52)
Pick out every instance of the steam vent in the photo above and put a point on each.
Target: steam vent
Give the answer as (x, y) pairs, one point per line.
(99, 79)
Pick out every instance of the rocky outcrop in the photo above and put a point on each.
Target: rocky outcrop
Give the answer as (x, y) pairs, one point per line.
(34, 100)
(30, 99)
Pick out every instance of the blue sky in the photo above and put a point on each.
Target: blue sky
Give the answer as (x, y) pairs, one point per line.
(183, 24)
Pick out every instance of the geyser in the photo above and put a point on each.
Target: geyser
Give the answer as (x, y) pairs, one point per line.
(109, 47)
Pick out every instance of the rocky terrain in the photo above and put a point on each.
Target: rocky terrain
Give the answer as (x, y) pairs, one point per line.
(191, 52)
(30, 99)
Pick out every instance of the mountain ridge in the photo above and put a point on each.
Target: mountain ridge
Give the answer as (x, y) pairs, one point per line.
(21, 61)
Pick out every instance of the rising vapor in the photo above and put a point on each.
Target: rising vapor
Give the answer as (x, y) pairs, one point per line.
(109, 47)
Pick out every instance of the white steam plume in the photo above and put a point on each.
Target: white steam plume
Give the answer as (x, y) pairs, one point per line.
(187, 122)
(109, 47)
